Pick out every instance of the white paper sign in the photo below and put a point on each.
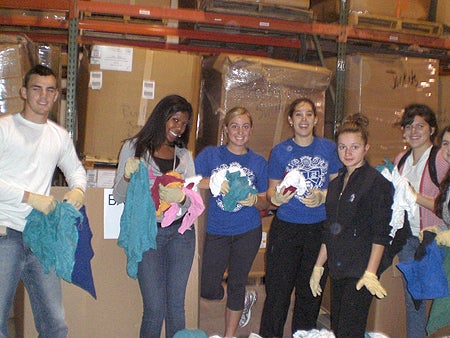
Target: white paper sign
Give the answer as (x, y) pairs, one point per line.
(113, 58)
(111, 215)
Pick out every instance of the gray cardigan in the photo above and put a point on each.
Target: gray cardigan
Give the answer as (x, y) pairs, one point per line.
(185, 168)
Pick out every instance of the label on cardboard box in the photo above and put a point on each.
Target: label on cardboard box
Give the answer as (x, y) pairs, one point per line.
(95, 80)
(113, 58)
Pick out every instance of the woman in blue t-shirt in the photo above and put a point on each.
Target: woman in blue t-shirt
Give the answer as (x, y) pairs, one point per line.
(295, 233)
(238, 180)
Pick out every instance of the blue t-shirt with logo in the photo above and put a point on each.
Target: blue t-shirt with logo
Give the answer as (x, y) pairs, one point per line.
(241, 219)
(316, 162)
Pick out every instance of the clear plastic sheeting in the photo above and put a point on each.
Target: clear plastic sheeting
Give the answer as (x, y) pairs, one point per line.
(16, 56)
(265, 87)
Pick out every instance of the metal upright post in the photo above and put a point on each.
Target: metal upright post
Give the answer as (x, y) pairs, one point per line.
(340, 63)
(72, 64)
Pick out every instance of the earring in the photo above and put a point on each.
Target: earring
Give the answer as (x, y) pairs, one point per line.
(291, 124)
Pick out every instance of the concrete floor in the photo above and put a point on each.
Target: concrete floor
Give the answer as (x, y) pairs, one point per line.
(212, 316)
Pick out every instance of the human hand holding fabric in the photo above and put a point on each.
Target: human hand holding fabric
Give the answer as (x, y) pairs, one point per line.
(282, 196)
(75, 197)
(171, 195)
(131, 166)
(316, 198)
(224, 187)
(371, 282)
(443, 238)
(250, 200)
(314, 281)
(42, 203)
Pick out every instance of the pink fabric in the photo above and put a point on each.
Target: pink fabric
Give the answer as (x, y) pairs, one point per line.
(427, 187)
(191, 215)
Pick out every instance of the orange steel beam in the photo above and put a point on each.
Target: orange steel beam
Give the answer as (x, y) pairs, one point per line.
(47, 5)
(152, 30)
(33, 21)
(198, 16)
(398, 38)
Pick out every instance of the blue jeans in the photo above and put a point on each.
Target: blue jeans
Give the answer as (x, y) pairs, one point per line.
(18, 262)
(416, 320)
(163, 274)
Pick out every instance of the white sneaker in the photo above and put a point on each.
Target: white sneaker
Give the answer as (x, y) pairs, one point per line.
(250, 300)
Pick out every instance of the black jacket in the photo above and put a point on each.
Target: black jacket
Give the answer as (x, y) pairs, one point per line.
(356, 218)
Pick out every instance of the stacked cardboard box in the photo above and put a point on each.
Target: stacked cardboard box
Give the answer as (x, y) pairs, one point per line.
(16, 56)
(119, 88)
(328, 10)
(265, 87)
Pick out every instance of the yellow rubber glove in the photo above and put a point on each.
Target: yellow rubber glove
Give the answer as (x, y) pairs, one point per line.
(314, 281)
(250, 200)
(443, 238)
(282, 197)
(316, 198)
(131, 166)
(42, 203)
(171, 195)
(224, 187)
(75, 197)
(371, 282)
(434, 229)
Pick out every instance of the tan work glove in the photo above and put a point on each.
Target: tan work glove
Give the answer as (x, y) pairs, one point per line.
(282, 197)
(224, 187)
(250, 200)
(443, 238)
(371, 282)
(131, 166)
(75, 197)
(42, 203)
(316, 198)
(314, 281)
(434, 229)
(171, 195)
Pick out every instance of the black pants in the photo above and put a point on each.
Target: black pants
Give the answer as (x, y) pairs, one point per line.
(236, 252)
(292, 251)
(349, 308)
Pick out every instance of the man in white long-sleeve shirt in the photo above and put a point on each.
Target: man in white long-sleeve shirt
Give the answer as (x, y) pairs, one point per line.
(31, 147)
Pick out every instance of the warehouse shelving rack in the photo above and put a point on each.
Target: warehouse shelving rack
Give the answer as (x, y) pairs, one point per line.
(77, 22)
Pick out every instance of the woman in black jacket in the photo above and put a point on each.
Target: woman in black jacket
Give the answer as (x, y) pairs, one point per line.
(358, 209)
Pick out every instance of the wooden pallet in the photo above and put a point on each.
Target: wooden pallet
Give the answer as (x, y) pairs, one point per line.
(401, 25)
(258, 9)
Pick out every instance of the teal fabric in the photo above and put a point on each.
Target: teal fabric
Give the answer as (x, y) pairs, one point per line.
(440, 309)
(138, 221)
(53, 238)
(239, 190)
(188, 333)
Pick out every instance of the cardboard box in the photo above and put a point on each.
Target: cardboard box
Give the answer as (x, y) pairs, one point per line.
(117, 312)
(14, 63)
(101, 178)
(266, 87)
(120, 106)
(444, 102)
(380, 87)
(328, 10)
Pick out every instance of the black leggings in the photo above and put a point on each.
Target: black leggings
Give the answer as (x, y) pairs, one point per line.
(236, 252)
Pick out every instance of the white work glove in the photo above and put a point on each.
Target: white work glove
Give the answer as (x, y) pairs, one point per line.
(171, 195)
(75, 197)
(316, 198)
(314, 281)
(42, 203)
(282, 196)
(250, 200)
(371, 282)
(224, 187)
(443, 238)
(131, 166)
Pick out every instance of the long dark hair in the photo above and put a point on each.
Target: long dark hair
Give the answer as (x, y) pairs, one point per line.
(443, 187)
(153, 133)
